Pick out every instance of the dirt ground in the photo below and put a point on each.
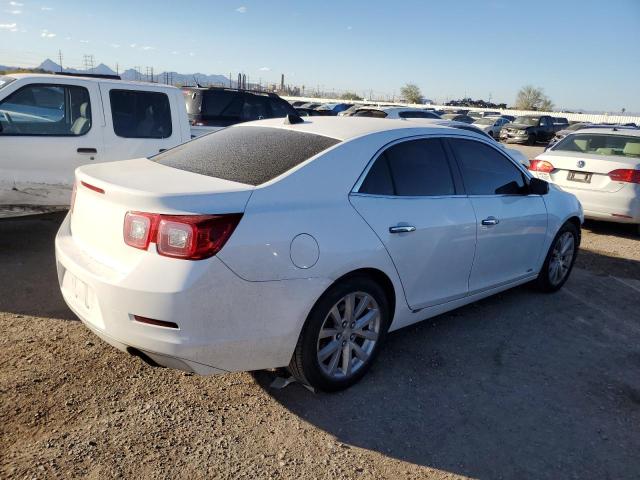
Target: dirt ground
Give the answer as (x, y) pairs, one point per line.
(521, 385)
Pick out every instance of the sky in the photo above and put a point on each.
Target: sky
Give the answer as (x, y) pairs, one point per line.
(585, 54)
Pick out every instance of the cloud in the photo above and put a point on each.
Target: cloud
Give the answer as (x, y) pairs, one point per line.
(264, 69)
(16, 4)
(115, 45)
(241, 9)
(175, 52)
(133, 45)
(14, 12)
(47, 34)
(191, 54)
(147, 47)
(84, 41)
(46, 9)
(7, 26)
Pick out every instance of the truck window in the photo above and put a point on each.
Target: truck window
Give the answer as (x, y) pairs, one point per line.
(138, 114)
(46, 110)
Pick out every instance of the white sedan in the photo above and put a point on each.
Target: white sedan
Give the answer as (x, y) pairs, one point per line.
(279, 243)
(491, 125)
(599, 166)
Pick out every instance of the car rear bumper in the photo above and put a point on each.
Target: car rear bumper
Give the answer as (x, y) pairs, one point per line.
(224, 322)
(622, 206)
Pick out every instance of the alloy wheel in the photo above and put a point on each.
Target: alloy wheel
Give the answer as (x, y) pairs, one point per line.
(348, 335)
(561, 258)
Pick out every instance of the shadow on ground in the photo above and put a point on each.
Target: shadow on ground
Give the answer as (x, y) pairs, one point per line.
(27, 256)
(521, 385)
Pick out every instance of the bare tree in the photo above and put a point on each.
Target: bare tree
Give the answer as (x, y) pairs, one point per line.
(532, 98)
(411, 93)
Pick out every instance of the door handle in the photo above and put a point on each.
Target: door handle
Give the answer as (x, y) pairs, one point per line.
(402, 229)
(87, 150)
(490, 221)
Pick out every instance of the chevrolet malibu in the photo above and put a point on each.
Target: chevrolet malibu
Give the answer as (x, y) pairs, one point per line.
(303, 243)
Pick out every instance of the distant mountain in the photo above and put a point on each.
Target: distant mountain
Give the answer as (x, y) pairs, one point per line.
(131, 74)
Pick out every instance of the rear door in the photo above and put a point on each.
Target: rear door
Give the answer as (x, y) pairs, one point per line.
(140, 122)
(411, 199)
(49, 128)
(511, 224)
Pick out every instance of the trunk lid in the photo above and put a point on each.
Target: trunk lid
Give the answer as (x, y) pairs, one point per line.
(580, 171)
(106, 192)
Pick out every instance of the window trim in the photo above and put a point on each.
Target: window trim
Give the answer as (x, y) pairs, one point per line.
(457, 183)
(526, 174)
(113, 125)
(43, 135)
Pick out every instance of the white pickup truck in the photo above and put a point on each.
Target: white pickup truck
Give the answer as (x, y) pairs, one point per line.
(52, 124)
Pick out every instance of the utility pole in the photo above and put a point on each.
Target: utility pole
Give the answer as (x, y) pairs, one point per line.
(60, 59)
(117, 69)
(87, 61)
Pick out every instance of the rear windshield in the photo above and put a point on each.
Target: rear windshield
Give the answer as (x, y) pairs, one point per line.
(600, 144)
(245, 154)
(370, 113)
(4, 80)
(527, 120)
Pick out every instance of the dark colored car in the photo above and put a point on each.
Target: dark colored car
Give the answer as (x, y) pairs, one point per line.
(333, 109)
(307, 112)
(458, 118)
(529, 129)
(511, 118)
(222, 107)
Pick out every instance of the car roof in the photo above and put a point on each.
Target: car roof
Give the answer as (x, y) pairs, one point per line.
(347, 128)
(160, 86)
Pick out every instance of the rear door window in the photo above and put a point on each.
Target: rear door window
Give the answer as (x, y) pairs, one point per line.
(256, 107)
(485, 171)
(46, 110)
(245, 154)
(138, 114)
(280, 108)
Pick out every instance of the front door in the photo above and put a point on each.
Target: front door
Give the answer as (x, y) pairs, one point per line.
(511, 223)
(410, 199)
(48, 130)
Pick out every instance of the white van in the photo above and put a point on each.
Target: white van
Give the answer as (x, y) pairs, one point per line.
(52, 124)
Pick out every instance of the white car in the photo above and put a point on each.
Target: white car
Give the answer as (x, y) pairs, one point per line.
(395, 112)
(270, 244)
(491, 125)
(52, 124)
(599, 166)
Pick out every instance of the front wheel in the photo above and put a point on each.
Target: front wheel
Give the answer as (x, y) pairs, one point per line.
(531, 140)
(560, 259)
(342, 335)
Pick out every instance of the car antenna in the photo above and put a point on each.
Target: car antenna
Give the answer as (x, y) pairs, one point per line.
(292, 119)
(195, 80)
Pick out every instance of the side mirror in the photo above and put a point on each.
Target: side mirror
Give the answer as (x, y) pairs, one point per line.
(538, 187)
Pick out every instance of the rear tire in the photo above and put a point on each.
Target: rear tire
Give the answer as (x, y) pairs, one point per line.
(531, 140)
(560, 259)
(342, 335)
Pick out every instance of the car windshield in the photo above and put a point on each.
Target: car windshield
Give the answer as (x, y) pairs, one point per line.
(485, 121)
(4, 80)
(601, 144)
(527, 120)
(244, 154)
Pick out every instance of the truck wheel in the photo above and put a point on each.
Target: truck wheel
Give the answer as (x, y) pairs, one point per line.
(531, 140)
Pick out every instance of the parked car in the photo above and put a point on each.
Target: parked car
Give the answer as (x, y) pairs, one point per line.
(601, 167)
(483, 113)
(353, 109)
(52, 124)
(394, 112)
(581, 126)
(235, 264)
(333, 109)
(311, 105)
(214, 108)
(491, 125)
(307, 112)
(560, 123)
(297, 103)
(529, 129)
(511, 118)
(456, 117)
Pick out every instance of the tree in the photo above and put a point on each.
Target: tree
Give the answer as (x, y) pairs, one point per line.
(411, 93)
(532, 98)
(350, 96)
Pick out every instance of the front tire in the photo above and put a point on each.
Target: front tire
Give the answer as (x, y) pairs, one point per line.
(560, 259)
(531, 140)
(342, 335)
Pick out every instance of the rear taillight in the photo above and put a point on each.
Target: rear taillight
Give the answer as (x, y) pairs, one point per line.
(625, 175)
(541, 166)
(191, 237)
